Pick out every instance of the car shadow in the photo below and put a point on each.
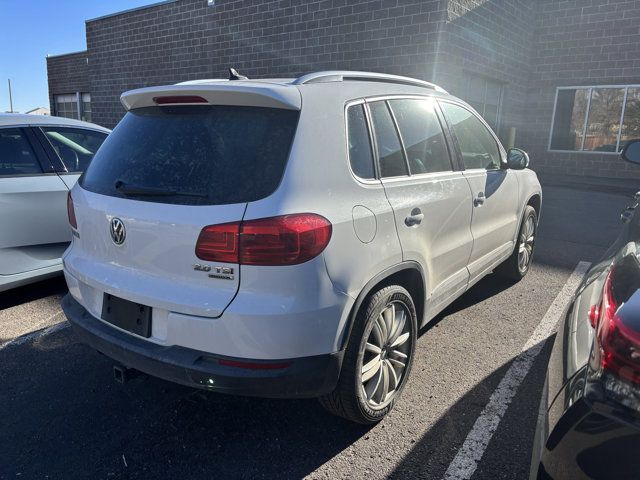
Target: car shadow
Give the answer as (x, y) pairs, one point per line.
(63, 416)
(486, 288)
(494, 179)
(33, 291)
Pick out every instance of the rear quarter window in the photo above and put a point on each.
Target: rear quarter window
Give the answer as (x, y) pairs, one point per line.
(211, 155)
(359, 143)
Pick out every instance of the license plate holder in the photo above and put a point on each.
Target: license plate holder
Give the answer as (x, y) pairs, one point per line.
(130, 316)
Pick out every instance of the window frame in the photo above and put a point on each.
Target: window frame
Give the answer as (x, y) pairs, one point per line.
(590, 89)
(501, 86)
(449, 140)
(46, 167)
(471, 110)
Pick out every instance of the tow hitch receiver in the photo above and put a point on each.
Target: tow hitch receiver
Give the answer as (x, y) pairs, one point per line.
(123, 374)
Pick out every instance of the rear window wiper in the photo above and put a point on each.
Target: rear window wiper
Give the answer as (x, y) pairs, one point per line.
(138, 191)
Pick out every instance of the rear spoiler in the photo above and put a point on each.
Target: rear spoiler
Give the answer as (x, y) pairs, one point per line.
(246, 93)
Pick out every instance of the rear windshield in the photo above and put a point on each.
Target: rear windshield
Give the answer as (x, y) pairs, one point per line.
(194, 155)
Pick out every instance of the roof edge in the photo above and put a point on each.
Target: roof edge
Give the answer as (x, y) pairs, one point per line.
(65, 54)
(19, 119)
(129, 10)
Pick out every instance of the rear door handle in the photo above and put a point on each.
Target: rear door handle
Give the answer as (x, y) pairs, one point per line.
(479, 200)
(414, 218)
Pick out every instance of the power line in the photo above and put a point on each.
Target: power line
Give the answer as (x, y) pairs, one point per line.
(10, 97)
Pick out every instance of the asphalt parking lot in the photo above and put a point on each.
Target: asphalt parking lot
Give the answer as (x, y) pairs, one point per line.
(63, 416)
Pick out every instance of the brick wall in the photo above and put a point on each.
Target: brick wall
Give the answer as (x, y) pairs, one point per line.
(491, 39)
(579, 42)
(67, 74)
(187, 39)
(529, 47)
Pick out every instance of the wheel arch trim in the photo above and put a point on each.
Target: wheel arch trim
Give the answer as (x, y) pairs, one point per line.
(521, 214)
(539, 202)
(371, 284)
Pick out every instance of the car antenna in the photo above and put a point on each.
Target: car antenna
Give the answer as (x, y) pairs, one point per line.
(234, 75)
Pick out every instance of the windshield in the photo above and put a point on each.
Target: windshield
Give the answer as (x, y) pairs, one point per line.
(217, 154)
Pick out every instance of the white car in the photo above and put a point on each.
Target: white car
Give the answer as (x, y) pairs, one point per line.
(287, 238)
(41, 158)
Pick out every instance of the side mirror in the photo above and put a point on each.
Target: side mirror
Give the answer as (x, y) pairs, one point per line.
(631, 152)
(518, 159)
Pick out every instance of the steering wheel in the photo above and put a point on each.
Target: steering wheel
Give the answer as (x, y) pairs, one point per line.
(70, 158)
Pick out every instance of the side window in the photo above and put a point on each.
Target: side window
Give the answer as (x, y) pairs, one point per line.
(16, 155)
(390, 154)
(75, 146)
(422, 136)
(360, 155)
(479, 148)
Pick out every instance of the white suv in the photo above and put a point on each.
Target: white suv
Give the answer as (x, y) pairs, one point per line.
(288, 238)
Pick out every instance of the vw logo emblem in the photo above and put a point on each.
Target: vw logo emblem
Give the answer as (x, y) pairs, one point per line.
(118, 232)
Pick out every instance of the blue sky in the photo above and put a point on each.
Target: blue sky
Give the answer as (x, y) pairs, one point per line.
(31, 29)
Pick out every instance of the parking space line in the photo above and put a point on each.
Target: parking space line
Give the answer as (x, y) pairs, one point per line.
(37, 334)
(468, 457)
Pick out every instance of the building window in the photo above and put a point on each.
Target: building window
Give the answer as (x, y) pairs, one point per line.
(485, 96)
(69, 105)
(631, 120)
(86, 107)
(595, 119)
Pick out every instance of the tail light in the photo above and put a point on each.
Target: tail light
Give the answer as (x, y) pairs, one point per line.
(71, 213)
(179, 99)
(284, 240)
(618, 337)
(219, 243)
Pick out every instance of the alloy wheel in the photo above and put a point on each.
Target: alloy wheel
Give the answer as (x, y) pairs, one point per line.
(386, 355)
(527, 239)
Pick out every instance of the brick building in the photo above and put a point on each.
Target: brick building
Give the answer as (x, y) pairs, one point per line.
(562, 75)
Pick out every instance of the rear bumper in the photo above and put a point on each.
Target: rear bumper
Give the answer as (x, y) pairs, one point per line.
(589, 441)
(301, 377)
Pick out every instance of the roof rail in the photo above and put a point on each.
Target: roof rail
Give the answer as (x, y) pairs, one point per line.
(342, 75)
(203, 81)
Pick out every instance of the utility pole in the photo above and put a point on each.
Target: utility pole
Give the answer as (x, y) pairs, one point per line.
(10, 98)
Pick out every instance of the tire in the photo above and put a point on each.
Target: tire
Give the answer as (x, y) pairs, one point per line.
(513, 267)
(365, 401)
